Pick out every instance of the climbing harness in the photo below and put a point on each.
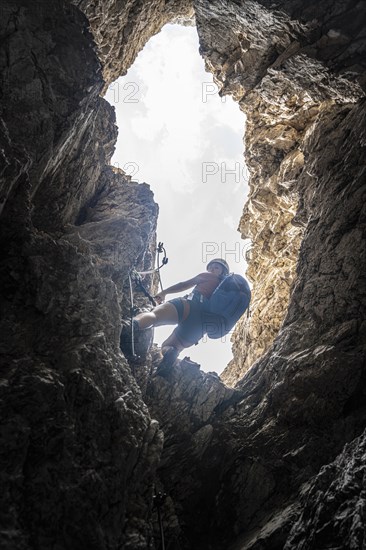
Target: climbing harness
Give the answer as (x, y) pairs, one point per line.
(136, 278)
(158, 500)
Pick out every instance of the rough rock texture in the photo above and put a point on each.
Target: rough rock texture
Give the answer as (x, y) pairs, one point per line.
(122, 28)
(302, 400)
(333, 505)
(78, 446)
(260, 466)
(186, 404)
(265, 59)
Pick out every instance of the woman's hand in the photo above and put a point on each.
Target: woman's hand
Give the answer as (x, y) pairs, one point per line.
(160, 298)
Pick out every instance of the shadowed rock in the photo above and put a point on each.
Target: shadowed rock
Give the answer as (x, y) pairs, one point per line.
(87, 437)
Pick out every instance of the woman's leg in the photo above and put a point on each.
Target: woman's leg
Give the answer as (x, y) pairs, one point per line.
(165, 314)
(171, 342)
(188, 332)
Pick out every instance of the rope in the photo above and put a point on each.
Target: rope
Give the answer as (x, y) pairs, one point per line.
(158, 501)
(135, 276)
(132, 314)
(160, 283)
(147, 272)
(161, 250)
(137, 280)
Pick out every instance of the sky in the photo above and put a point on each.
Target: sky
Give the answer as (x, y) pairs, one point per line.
(180, 137)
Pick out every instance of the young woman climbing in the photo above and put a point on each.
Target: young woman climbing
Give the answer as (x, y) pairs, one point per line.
(186, 312)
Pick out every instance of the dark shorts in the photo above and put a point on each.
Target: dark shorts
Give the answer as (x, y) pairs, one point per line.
(190, 330)
(178, 303)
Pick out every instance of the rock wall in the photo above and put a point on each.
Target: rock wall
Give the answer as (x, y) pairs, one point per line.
(332, 505)
(269, 61)
(78, 446)
(302, 400)
(121, 29)
(82, 430)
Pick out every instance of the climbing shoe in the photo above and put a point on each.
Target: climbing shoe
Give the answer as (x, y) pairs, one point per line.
(165, 366)
(142, 340)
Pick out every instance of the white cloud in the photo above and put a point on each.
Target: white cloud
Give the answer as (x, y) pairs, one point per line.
(178, 124)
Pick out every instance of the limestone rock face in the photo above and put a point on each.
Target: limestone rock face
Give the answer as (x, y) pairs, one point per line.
(78, 446)
(267, 60)
(121, 29)
(274, 463)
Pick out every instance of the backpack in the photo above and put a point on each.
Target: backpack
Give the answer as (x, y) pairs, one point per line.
(226, 305)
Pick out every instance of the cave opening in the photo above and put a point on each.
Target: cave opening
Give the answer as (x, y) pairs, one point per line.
(178, 135)
(278, 462)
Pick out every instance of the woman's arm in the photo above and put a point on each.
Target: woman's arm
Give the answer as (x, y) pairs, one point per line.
(179, 287)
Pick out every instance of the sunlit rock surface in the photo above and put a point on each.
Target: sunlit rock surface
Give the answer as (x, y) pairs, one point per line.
(86, 438)
(121, 29)
(266, 60)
